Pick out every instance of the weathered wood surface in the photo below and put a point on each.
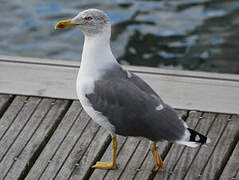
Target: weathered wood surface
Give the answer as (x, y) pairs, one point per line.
(211, 92)
(5, 101)
(224, 142)
(231, 171)
(60, 138)
(25, 131)
(50, 139)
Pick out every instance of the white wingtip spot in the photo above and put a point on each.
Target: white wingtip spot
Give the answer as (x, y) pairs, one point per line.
(197, 138)
(159, 107)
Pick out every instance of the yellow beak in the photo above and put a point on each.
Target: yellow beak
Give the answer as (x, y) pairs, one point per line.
(65, 24)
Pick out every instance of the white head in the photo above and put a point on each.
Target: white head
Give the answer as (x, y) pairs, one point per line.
(90, 22)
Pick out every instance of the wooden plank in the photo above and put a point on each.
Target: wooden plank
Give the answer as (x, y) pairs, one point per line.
(31, 141)
(78, 165)
(10, 115)
(79, 138)
(209, 160)
(220, 153)
(134, 165)
(231, 171)
(23, 137)
(191, 91)
(57, 139)
(17, 126)
(4, 102)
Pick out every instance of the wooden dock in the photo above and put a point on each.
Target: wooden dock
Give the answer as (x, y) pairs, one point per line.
(45, 134)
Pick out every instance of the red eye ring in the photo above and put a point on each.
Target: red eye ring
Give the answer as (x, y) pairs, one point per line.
(88, 18)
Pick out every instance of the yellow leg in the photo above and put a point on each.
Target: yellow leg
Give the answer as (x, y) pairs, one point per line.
(109, 165)
(157, 157)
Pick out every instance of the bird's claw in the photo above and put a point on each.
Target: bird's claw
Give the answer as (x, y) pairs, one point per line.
(105, 165)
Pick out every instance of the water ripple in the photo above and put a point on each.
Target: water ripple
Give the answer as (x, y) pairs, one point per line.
(183, 34)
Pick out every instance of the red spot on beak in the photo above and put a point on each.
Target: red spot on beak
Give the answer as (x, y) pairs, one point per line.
(61, 26)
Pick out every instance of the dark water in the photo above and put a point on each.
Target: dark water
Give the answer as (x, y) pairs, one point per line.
(177, 34)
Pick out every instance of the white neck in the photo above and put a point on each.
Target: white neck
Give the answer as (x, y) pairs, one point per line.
(97, 55)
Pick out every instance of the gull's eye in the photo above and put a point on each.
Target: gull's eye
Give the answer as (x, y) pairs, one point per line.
(88, 18)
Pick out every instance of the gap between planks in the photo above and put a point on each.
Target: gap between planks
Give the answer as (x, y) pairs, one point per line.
(73, 163)
(60, 146)
(47, 137)
(18, 134)
(5, 102)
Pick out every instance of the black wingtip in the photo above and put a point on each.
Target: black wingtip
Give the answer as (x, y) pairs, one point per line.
(197, 137)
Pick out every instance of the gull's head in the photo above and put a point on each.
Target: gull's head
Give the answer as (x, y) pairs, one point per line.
(90, 22)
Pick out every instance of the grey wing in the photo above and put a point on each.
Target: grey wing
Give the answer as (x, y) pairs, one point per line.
(140, 83)
(133, 112)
